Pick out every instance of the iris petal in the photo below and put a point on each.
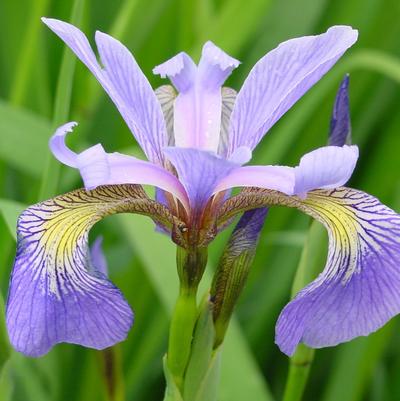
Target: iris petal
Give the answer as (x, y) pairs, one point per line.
(279, 178)
(197, 108)
(324, 168)
(215, 66)
(124, 82)
(199, 171)
(180, 69)
(56, 294)
(100, 168)
(280, 78)
(358, 291)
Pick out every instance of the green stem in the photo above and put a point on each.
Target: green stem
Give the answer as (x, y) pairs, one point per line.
(191, 265)
(300, 363)
(112, 373)
(299, 369)
(181, 333)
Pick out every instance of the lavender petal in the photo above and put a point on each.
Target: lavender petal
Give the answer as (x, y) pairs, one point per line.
(124, 82)
(324, 168)
(197, 108)
(281, 78)
(199, 172)
(100, 168)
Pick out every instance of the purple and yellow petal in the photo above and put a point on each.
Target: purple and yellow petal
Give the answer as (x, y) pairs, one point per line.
(359, 289)
(55, 295)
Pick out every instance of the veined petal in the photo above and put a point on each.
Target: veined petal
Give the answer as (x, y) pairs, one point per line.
(324, 168)
(228, 101)
(340, 129)
(280, 78)
(279, 178)
(100, 168)
(359, 289)
(124, 82)
(197, 108)
(56, 294)
(166, 95)
(199, 171)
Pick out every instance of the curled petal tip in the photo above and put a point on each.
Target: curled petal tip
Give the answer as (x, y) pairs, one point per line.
(180, 69)
(59, 148)
(171, 67)
(65, 129)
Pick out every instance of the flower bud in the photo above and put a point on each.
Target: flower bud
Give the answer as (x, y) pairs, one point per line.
(233, 268)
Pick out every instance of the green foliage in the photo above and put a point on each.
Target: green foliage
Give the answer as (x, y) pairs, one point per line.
(34, 76)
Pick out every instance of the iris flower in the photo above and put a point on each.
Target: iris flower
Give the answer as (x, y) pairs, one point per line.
(197, 137)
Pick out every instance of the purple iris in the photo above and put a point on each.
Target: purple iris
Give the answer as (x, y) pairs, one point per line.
(197, 136)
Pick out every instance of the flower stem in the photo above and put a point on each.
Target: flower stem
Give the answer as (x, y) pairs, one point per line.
(112, 373)
(310, 262)
(181, 333)
(299, 369)
(191, 264)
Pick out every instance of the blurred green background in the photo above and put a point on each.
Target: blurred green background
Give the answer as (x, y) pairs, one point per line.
(33, 99)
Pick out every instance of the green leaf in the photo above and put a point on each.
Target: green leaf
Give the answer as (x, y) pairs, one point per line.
(209, 388)
(23, 139)
(172, 392)
(10, 210)
(5, 348)
(197, 373)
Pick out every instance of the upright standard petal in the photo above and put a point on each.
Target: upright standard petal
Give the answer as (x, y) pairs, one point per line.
(359, 289)
(100, 168)
(197, 108)
(56, 294)
(280, 78)
(124, 82)
(340, 129)
(326, 167)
